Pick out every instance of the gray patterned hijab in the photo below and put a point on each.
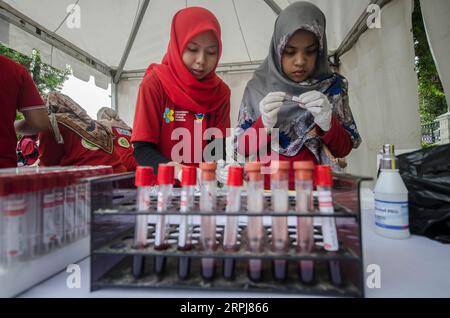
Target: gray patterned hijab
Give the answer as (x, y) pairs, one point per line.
(295, 123)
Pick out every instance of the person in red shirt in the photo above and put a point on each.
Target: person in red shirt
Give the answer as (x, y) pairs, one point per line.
(74, 139)
(295, 91)
(18, 93)
(27, 150)
(182, 97)
(122, 136)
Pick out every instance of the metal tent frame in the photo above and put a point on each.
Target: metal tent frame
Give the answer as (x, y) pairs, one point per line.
(16, 18)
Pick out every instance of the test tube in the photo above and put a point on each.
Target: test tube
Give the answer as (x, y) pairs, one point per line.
(48, 212)
(144, 181)
(34, 213)
(33, 210)
(69, 208)
(188, 182)
(3, 194)
(80, 202)
(305, 225)
(234, 183)
(165, 183)
(293, 98)
(280, 204)
(59, 206)
(255, 229)
(324, 181)
(14, 209)
(208, 189)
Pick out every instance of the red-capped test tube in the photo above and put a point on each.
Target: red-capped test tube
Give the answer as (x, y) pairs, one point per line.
(80, 202)
(49, 233)
(280, 204)
(34, 212)
(14, 212)
(234, 183)
(69, 207)
(255, 229)
(144, 182)
(188, 183)
(165, 179)
(60, 180)
(305, 225)
(208, 192)
(324, 182)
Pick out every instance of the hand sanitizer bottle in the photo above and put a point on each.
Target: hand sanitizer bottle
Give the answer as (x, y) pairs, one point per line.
(391, 199)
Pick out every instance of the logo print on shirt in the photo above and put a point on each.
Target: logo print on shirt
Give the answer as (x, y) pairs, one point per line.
(88, 145)
(124, 132)
(123, 142)
(180, 115)
(199, 116)
(168, 115)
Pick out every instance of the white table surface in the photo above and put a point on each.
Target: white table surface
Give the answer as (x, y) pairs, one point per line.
(415, 267)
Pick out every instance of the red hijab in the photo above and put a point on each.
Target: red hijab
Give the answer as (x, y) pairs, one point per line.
(179, 84)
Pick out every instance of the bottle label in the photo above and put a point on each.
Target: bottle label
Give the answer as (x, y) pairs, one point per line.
(391, 215)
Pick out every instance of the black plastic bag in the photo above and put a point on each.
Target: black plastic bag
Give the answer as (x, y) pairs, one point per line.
(426, 173)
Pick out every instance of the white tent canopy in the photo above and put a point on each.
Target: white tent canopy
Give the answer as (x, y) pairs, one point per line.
(135, 33)
(118, 39)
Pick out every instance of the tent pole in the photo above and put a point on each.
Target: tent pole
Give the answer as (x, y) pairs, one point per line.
(114, 96)
(236, 67)
(274, 6)
(4, 31)
(131, 38)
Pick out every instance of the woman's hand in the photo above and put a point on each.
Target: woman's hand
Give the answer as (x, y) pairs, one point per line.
(269, 107)
(222, 171)
(319, 106)
(178, 167)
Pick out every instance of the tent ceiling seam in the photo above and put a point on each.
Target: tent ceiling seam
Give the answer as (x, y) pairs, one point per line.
(14, 17)
(221, 68)
(240, 30)
(356, 31)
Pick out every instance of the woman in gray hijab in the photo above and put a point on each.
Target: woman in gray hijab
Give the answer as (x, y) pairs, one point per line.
(295, 91)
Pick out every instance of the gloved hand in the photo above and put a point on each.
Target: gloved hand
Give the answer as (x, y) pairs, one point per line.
(222, 171)
(177, 169)
(199, 180)
(178, 172)
(269, 107)
(319, 106)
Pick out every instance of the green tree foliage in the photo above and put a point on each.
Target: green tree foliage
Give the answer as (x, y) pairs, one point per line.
(46, 77)
(432, 101)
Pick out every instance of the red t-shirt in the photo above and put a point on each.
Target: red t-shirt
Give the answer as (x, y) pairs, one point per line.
(337, 140)
(75, 151)
(157, 120)
(27, 145)
(17, 92)
(124, 148)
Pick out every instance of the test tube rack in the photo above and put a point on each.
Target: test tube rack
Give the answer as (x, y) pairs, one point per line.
(37, 256)
(112, 245)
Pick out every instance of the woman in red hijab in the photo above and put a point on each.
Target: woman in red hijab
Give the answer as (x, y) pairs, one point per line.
(182, 97)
